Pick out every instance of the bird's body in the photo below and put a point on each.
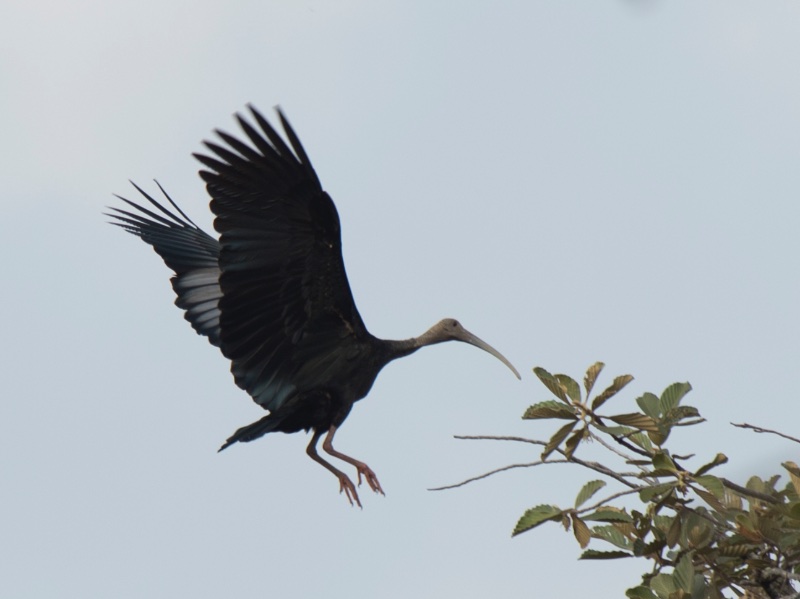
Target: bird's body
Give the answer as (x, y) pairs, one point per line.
(272, 292)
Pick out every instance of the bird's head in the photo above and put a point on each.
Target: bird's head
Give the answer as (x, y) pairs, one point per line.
(449, 329)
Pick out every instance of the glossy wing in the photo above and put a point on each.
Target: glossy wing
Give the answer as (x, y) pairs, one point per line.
(189, 251)
(286, 300)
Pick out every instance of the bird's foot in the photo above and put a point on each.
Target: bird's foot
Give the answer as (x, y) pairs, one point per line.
(370, 477)
(346, 485)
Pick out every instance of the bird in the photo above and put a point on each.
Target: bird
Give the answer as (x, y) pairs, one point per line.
(271, 291)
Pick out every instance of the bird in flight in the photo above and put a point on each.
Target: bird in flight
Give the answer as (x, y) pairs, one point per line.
(272, 292)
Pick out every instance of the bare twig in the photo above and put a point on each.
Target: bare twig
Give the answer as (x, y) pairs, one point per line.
(583, 510)
(495, 471)
(712, 565)
(690, 422)
(768, 576)
(621, 477)
(613, 449)
(782, 573)
(759, 429)
(624, 442)
(748, 492)
(497, 438)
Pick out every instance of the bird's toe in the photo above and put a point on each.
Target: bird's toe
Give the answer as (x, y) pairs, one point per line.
(370, 477)
(349, 489)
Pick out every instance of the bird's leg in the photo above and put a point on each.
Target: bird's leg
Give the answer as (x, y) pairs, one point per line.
(361, 467)
(345, 484)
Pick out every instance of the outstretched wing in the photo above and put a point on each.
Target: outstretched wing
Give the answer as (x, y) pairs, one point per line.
(186, 249)
(286, 301)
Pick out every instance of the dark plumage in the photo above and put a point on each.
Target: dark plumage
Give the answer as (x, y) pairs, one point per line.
(272, 293)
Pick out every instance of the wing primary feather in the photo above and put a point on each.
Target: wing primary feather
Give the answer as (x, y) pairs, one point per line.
(246, 151)
(276, 140)
(171, 201)
(150, 213)
(254, 136)
(298, 147)
(155, 203)
(186, 249)
(232, 159)
(212, 163)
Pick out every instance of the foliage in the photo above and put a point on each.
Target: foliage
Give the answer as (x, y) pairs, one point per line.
(703, 535)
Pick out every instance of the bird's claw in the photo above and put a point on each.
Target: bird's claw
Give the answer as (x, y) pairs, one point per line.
(346, 485)
(371, 478)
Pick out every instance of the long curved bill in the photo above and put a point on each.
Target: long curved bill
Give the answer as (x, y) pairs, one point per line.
(467, 337)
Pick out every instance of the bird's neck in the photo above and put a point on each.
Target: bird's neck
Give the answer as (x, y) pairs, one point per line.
(398, 348)
(403, 347)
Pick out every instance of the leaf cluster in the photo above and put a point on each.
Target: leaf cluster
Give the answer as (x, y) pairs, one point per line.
(702, 535)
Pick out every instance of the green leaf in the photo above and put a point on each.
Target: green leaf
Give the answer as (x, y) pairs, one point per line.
(551, 383)
(710, 499)
(556, 439)
(699, 534)
(572, 443)
(794, 474)
(636, 420)
(701, 588)
(674, 532)
(549, 409)
(611, 534)
(684, 412)
(672, 396)
(712, 484)
(684, 573)
(536, 516)
(608, 515)
(594, 554)
(640, 592)
(611, 390)
(747, 529)
(754, 483)
(642, 441)
(718, 460)
(663, 585)
(649, 493)
(589, 489)
(591, 376)
(737, 550)
(658, 437)
(572, 388)
(732, 500)
(582, 533)
(648, 403)
(661, 461)
(615, 431)
(794, 510)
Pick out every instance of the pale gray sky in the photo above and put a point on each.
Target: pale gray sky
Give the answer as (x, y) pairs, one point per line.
(574, 180)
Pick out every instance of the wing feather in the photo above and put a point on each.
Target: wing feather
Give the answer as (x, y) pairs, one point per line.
(189, 251)
(286, 301)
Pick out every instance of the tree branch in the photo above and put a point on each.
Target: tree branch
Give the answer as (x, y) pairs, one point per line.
(621, 477)
(613, 449)
(748, 492)
(495, 471)
(758, 429)
(609, 498)
(496, 438)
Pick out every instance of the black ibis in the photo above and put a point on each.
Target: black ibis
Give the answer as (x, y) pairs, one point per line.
(272, 292)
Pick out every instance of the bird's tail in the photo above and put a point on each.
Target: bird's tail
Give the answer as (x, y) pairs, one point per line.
(253, 431)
